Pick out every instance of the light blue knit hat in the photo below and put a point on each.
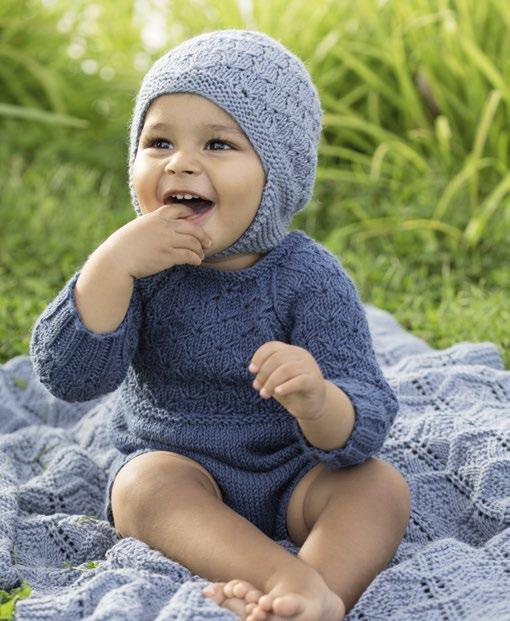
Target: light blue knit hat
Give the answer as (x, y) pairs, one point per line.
(270, 94)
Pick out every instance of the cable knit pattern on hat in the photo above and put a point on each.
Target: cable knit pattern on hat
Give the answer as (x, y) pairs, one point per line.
(269, 93)
(183, 349)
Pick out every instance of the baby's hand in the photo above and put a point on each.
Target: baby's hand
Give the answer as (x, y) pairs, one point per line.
(157, 241)
(291, 375)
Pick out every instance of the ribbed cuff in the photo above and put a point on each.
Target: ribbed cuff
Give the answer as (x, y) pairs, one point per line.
(72, 361)
(373, 417)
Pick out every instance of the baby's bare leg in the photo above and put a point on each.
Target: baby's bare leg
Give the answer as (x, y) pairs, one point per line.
(357, 518)
(359, 529)
(189, 524)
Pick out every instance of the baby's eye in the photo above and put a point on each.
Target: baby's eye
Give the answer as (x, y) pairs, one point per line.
(220, 141)
(153, 142)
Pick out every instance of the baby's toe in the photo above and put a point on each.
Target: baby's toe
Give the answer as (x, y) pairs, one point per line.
(266, 602)
(215, 591)
(257, 615)
(242, 589)
(253, 596)
(236, 588)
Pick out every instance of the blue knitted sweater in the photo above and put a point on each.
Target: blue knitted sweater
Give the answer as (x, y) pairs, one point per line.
(181, 355)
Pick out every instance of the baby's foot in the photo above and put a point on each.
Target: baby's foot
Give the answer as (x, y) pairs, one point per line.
(234, 595)
(313, 603)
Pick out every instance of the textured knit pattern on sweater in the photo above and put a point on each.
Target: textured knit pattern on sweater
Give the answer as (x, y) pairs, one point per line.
(181, 357)
(450, 439)
(183, 349)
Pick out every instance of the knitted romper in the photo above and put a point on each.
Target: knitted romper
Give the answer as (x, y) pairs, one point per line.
(180, 361)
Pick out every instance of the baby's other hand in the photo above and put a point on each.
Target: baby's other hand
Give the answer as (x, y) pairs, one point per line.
(291, 375)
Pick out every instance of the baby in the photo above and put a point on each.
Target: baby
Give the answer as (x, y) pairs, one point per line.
(250, 402)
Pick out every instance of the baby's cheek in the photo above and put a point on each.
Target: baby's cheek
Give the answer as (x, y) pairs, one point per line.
(147, 199)
(144, 177)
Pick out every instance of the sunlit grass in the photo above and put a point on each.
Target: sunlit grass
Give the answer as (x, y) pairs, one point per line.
(442, 297)
(413, 185)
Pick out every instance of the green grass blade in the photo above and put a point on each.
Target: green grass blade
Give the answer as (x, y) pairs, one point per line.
(377, 161)
(40, 73)
(376, 227)
(486, 66)
(479, 144)
(334, 174)
(469, 169)
(477, 225)
(44, 116)
(485, 123)
(381, 135)
(346, 154)
(369, 76)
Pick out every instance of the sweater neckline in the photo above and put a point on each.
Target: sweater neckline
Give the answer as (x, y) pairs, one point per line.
(262, 265)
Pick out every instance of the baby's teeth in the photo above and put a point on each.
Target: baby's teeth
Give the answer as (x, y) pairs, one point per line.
(187, 196)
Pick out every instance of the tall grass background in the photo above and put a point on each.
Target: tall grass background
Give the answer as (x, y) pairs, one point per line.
(413, 184)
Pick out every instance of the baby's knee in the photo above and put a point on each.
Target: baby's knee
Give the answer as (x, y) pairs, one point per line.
(134, 498)
(392, 486)
(152, 486)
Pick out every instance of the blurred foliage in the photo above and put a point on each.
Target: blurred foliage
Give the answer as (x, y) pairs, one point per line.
(411, 89)
(73, 61)
(413, 182)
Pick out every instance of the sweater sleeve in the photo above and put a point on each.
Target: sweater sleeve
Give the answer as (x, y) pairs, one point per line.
(75, 363)
(329, 321)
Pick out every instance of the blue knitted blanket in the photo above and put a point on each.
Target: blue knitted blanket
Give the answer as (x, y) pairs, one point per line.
(450, 440)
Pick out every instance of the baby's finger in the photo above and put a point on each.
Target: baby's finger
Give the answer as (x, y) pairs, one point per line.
(263, 353)
(267, 383)
(186, 227)
(200, 234)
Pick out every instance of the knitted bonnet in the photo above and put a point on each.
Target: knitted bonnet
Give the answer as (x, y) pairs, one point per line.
(269, 93)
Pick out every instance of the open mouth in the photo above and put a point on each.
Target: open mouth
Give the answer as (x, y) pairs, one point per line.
(199, 205)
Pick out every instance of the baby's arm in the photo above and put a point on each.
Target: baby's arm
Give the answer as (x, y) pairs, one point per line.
(330, 322)
(103, 292)
(143, 247)
(84, 341)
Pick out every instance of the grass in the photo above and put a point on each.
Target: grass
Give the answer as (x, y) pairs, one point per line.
(439, 296)
(8, 600)
(413, 185)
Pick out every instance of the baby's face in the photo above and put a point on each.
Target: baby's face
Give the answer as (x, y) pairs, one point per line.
(220, 164)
